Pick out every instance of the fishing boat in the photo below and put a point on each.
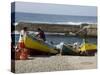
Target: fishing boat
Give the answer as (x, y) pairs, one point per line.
(35, 44)
(68, 50)
(88, 48)
(84, 49)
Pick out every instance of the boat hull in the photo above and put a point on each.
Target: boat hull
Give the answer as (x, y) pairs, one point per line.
(34, 44)
(88, 47)
(66, 50)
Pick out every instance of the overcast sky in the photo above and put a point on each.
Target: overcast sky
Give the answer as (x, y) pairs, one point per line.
(56, 9)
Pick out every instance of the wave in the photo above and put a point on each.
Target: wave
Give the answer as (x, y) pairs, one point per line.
(59, 23)
(74, 23)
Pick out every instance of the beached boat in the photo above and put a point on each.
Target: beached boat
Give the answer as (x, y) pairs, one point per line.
(32, 43)
(84, 49)
(88, 48)
(68, 50)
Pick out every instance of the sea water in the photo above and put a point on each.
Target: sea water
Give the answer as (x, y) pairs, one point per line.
(51, 18)
(56, 39)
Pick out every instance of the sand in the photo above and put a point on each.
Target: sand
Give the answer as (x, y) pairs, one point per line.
(55, 63)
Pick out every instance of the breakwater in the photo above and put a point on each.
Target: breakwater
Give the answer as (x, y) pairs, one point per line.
(58, 28)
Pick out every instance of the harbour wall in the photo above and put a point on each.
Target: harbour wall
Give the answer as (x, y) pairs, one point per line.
(58, 28)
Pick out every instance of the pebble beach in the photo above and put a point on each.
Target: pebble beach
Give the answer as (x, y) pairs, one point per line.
(55, 63)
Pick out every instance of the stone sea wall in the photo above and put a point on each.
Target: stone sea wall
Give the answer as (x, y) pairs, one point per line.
(58, 28)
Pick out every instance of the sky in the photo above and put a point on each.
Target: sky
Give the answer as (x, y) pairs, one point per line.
(58, 9)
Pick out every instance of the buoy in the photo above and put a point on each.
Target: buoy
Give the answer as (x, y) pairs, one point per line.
(24, 54)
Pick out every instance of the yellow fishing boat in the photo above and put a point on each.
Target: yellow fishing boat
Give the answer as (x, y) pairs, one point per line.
(88, 49)
(33, 43)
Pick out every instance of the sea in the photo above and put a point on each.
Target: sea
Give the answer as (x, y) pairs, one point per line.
(52, 18)
(55, 19)
(56, 39)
